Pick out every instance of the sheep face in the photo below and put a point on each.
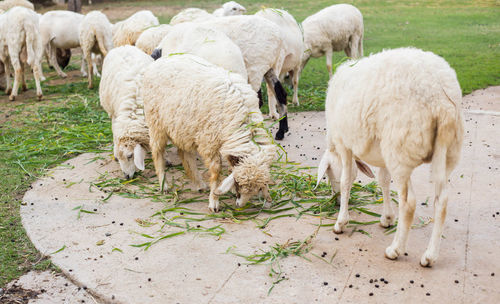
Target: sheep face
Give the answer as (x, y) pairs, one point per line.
(131, 156)
(232, 8)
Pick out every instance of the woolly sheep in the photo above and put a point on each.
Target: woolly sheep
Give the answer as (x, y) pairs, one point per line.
(335, 28)
(121, 99)
(293, 43)
(261, 44)
(209, 44)
(395, 110)
(128, 30)
(230, 8)
(204, 108)
(152, 37)
(19, 30)
(8, 4)
(95, 37)
(191, 15)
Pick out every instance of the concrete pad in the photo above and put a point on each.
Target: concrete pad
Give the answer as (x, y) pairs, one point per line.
(194, 268)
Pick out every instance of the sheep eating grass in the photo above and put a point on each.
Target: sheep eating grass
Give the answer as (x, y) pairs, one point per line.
(394, 110)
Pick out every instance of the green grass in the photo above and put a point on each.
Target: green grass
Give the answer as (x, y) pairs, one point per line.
(36, 136)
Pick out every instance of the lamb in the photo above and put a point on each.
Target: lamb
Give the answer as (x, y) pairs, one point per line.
(8, 4)
(230, 8)
(209, 44)
(95, 36)
(119, 92)
(152, 37)
(128, 30)
(191, 15)
(261, 44)
(395, 110)
(293, 43)
(206, 109)
(335, 28)
(19, 31)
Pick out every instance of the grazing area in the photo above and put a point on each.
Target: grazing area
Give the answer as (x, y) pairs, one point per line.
(36, 136)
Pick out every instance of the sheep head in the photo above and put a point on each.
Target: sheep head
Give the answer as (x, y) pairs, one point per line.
(232, 8)
(249, 177)
(130, 155)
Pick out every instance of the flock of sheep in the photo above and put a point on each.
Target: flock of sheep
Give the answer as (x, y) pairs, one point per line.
(197, 84)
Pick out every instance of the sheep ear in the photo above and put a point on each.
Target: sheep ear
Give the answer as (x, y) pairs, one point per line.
(139, 155)
(364, 168)
(324, 165)
(226, 185)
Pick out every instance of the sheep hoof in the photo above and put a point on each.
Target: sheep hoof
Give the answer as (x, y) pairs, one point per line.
(427, 260)
(24, 88)
(40, 97)
(90, 86)
(386, 220)
(8, 91)
(337, 229)
(391, 253)
(280, 135)
(64, 75)
(214, 209)
(12, 97)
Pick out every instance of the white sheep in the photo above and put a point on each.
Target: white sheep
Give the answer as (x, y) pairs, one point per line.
(95, 37)
(8, 4)
(128, 30)
(230, 8)
(261, 44)
(206, 109)
(209, 44)
(152, 37)
(394, 110)
(293, 43)
(119, 92)
(18, 32)
(335, 28)
(191, 15)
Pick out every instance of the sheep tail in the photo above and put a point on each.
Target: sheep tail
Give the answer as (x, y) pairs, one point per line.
(99, 35)
(281, 96)
(31, 42)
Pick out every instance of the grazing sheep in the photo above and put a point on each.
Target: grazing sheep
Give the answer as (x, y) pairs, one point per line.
(95, 37)
(18, 34)
(293, 43)
(8, 4)
(206, 109)
(152, 37)
(332, 29)
(209, 44)
(261, 44)
(395, 110)
(230, 8)
(128, 30)
(59, 32)
(191, 15)
(119, 92)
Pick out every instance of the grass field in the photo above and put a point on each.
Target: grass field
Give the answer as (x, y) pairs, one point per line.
(36, 136)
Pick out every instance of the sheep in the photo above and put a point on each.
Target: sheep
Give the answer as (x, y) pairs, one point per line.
(191, 15)
(119, 92)
(19, 33)
(206, 109)
(261, 44)
(59, 30)
(8, 4)
(128, 30)
(293, 43)
(395, 110)
(95, 36)
(335, 28)
(152, 37)
(230, 8)
(209, 44)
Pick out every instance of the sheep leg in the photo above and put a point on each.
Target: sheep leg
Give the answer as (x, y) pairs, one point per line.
(440, 176)
(24, 87)
(89, 69)
(83, 67)
(158, 141)
(329, 54)
(94, 65)
(8, 88)
(214, 167)
(53, 62)
(36, 74)
(189, 164)
(388, 216)
(16, 64)
(294, 74)
(345, 190)
(407, 204)
(271, 97)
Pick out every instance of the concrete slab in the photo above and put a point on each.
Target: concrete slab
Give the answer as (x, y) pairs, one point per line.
(194, 268)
